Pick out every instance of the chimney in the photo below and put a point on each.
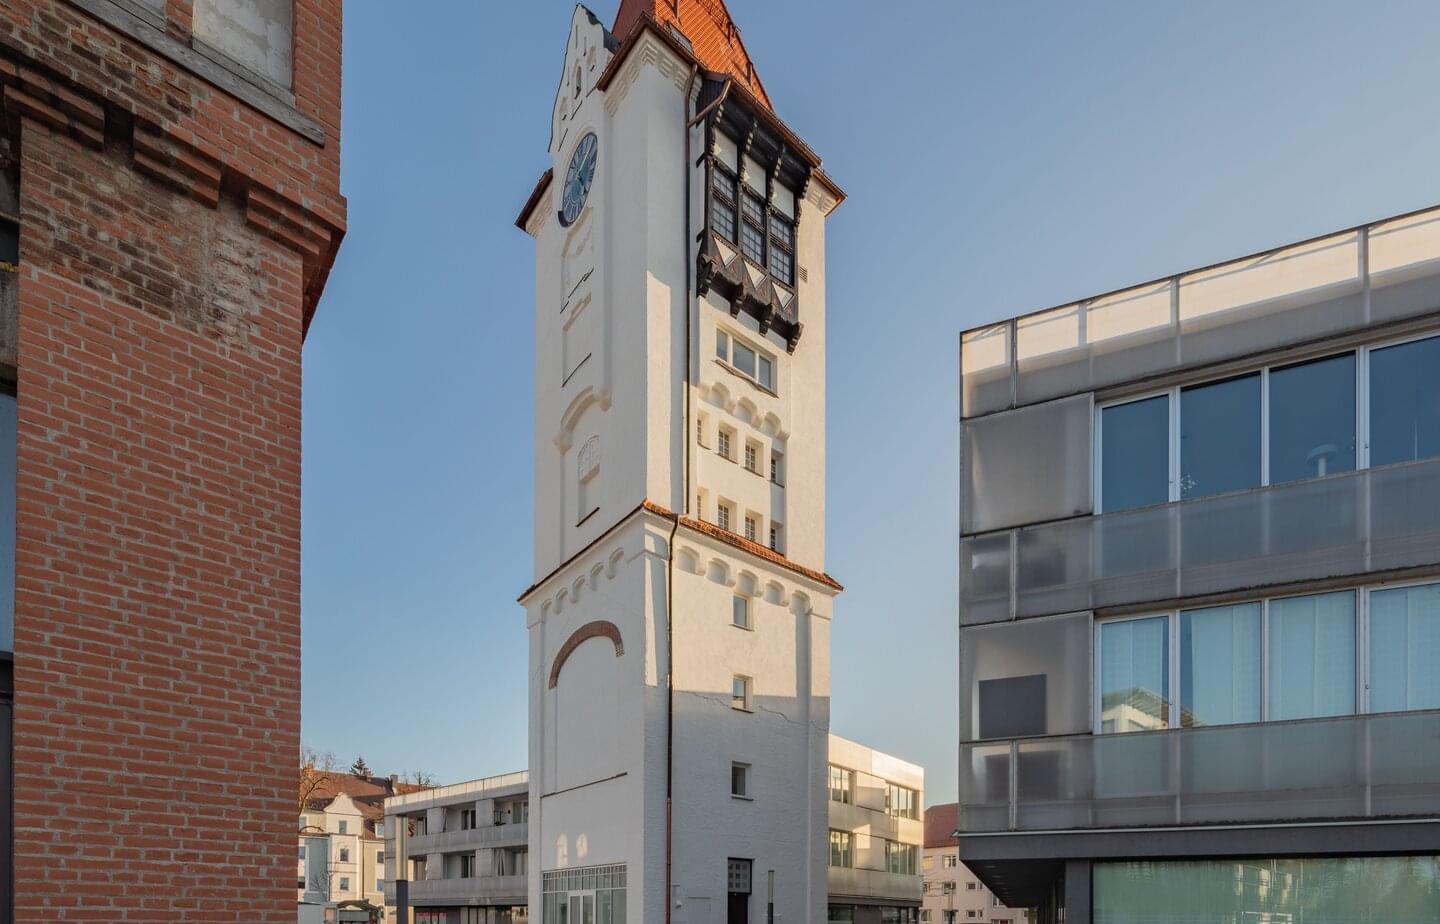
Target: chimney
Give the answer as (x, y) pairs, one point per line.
(394, 783)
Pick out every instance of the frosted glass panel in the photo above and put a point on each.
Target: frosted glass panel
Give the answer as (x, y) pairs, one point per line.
(1135, 454)
(1312, 656)
(1028, 465)
(1220, 437)
(1135, 675)
(985, 370)
(1405, 648)
(1312, 419)
(1220, 665)
(1405, 402)
(1032, 674)
(985, 579)
(1395, 890)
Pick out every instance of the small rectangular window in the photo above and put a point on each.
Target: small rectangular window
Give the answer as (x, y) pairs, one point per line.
(765, 373)
(1135, 454)
(841, 855)
(752, 457)
(722, 346)
(344, 827)
(740, 780)
(744, 359)
(776, 540)
(842, 784)
(1405, 402)
(700, 430)
(344, 883)
(752, 243)
(1312, 419)
(752, 527)
(777, 468)
(722, 444)
(1311, 656)
(1404, 648)
(740, 693)
(740, 611)
(1220, 437)
(724, 214)
(722, 516)
(1135, 675)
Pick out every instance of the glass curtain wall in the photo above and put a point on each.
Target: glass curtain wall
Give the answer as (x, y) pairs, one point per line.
(1349, 890)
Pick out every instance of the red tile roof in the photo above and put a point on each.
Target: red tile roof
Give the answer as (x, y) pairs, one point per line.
(941, 821)
(707, 25)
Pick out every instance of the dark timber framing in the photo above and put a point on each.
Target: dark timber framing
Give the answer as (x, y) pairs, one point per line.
(758, 136)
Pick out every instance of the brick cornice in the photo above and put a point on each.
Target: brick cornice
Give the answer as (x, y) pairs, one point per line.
(165, 155)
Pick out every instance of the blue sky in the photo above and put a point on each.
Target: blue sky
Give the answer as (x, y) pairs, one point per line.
(999, 157)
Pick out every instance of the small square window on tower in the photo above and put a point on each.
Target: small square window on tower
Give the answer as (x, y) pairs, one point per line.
(740, 693)
(740, 780)
(740, 611)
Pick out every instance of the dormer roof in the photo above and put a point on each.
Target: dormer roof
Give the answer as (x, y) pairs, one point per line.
(709, 29)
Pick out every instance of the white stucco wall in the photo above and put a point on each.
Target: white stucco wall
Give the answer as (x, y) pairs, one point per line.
(611, 325)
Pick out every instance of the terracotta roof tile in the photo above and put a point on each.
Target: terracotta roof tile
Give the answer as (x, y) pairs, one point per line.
(710, 30)
(941, 822)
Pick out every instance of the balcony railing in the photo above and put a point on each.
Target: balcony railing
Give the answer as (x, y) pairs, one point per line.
(1381, 272)
(486, 788)
(846, 882)
(478, 889)
(1350, 768)
(1358, 523)
(515, 835)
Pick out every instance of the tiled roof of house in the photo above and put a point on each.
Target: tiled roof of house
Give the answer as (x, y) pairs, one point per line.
(708, 27)
(941, 821)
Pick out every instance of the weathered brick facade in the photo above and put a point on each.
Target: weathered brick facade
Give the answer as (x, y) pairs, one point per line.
(174, 240)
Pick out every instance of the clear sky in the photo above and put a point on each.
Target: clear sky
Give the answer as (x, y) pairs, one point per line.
(999, 157)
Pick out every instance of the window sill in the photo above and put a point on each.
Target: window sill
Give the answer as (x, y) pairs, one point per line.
(742, 709)
(739, 798)
(740, 375)
(586, 517)
(232, 78)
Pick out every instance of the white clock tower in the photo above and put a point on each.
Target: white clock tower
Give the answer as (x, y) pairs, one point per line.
(680, 615)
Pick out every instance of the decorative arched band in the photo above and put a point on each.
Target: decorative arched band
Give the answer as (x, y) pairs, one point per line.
(598, 629)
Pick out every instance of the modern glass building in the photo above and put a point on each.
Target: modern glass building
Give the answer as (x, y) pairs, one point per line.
(1200, 592)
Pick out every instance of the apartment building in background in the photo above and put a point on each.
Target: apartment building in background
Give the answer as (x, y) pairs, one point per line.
(679, 615)
(875, 837)
(1200, 592)
(342, 843)
(952, 893)
(466, 851)
(169, 211)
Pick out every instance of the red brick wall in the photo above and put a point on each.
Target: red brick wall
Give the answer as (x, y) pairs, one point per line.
(157, 637)
(173, 244)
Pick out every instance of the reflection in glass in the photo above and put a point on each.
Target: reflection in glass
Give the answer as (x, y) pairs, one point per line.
(1135, 675)
(1312, 419)
(1135, 454)
(1405, 402)
(1312, 656)
(1220, 665)
(1405, 648)
(1220, 437)
(1331, 890)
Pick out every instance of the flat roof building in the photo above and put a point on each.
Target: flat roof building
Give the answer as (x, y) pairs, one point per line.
(1200, 591)
(466, 849)
(875, 837)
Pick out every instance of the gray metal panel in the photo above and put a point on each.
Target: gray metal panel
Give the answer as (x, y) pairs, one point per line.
(1028, 466)
(1353, 767)
(1348, 525)
(1056, 649)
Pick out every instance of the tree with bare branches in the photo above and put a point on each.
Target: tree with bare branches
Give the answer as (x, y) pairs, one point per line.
(316, 770)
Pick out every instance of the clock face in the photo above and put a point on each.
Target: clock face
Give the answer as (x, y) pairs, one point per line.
(578, 178)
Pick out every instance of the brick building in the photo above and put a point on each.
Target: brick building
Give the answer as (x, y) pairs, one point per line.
(169, 211)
